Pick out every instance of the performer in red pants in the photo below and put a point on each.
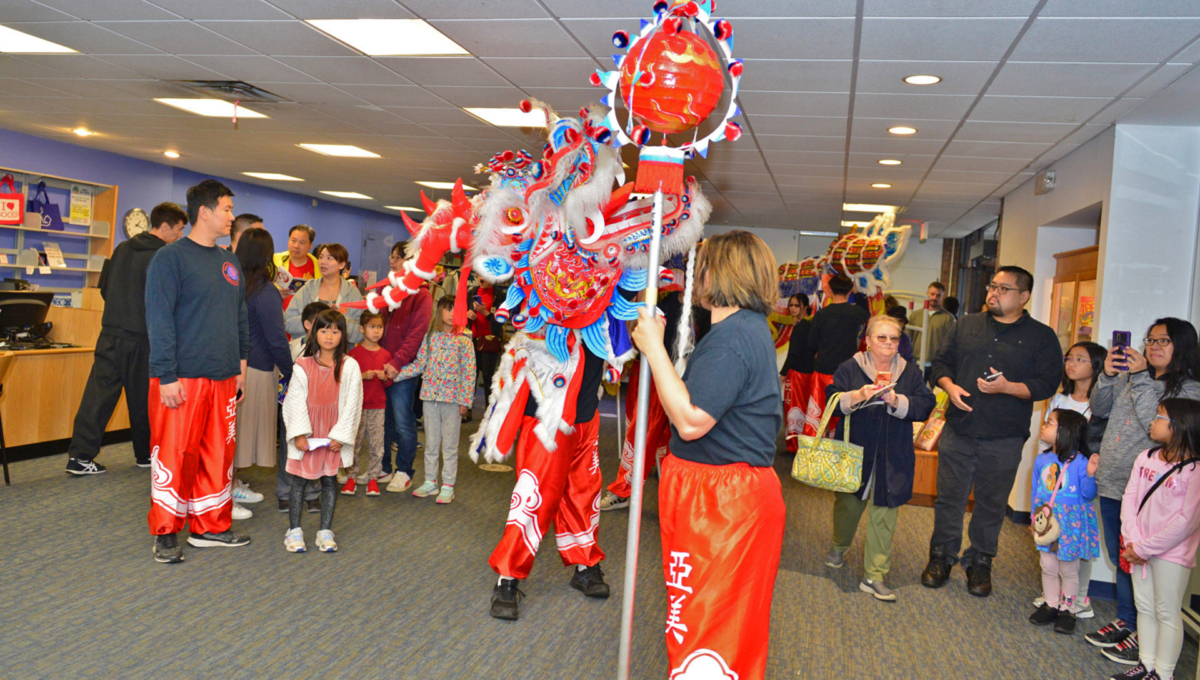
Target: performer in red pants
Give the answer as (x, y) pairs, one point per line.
(720, 507)
(658, 434)
(199, 341)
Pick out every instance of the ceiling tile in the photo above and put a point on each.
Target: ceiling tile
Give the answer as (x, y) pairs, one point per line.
(343, 9)
(938, 39)
(926, 129)
(1159, 79)
(958, 77)
(450, 71)
(1013, 132)
(310, 93)
(176, 37)
(914, 106)
(1037, 109)
(493, 97)
(397, 96)
(257, 70)
(14, 67)
(803, 157)
(797, 125)
(281, 38)
(350, 70)
(163, 66)
(1084, 134)
(801, 143)
(73, 66)
(948, 8)
(976, 163)
(84, 37)
(638, 9)
(573, 72)
(790, 38)
(517, 38)
(1115, 111)
(1011, 150)
(438, 116)
(116, 10)
(1120, 8)
(1066, 80)
(222, 9)
(890, 146)
(565, 100)
(1105, 40)
(909, 160)
(773, 75)
(496, 9)
(795, 103)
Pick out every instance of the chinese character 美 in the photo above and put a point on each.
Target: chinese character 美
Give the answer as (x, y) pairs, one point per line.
(674, 626)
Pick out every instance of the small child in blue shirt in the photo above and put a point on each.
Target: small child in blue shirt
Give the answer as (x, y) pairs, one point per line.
(1064, 480)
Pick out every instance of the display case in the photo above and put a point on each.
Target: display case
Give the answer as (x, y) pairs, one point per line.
(1073, 302)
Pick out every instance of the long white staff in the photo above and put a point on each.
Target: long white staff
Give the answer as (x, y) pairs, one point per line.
(639, 454)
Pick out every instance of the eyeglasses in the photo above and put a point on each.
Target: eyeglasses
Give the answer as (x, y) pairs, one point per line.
(395, 257)
(887, 338)
(1158, 416)
(1076, 360)
(1003, 290)
(1161, 342)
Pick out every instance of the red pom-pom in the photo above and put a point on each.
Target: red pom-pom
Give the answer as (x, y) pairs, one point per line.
(620, 39)
(641, 135)
(570, 135)
(594, 79)
(673, 25)
(724, 30)
(508, 155)
(735, 68)
(661, 6)
(691, 9)
(732, 131)
(526, 106)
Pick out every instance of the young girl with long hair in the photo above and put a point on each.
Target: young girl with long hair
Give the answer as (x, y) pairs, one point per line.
(322, 411)
(1160, 530)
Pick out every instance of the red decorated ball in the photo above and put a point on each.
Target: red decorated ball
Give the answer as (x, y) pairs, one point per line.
(681, 81)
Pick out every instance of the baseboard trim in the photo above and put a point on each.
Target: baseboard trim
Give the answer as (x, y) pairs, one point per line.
(59, 446)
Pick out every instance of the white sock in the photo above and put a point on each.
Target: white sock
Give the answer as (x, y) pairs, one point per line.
(504, 578)
(579, 567)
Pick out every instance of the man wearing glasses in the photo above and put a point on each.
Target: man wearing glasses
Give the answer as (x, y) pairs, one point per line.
(994, 365)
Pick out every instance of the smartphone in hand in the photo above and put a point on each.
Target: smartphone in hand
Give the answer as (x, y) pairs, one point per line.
(1120, 342)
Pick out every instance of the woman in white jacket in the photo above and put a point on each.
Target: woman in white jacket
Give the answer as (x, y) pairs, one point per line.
(322, 410)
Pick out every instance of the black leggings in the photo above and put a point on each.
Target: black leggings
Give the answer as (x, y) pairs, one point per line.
(328, 501)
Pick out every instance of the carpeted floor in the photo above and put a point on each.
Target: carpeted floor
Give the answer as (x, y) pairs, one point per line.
(407, 595)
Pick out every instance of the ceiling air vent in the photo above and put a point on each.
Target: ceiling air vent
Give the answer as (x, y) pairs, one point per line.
(231, 90)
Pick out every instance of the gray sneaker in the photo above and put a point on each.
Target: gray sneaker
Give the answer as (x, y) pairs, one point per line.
(877, 590)
(611, 501)
(835, 559)
(1083, 609)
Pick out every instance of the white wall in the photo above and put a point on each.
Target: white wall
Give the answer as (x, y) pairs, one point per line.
(920, 265)
(783, 242)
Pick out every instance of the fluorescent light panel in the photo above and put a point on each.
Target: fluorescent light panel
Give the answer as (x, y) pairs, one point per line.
(821, 233)
(171, 154)
(390, 37)
(347, 194)
(868, 208)
(405, 208)
(445, 185)
(922, 80)
(13, 41)
(889, 161)
(215, 108)
(881, 185)
(341, 150)
(510, 117)
(846, 223)
(273, 176)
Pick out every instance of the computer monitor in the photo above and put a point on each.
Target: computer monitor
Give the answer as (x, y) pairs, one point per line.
(23, 309)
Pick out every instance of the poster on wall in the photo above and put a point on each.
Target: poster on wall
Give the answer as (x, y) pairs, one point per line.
(81, 205)
(1087, 312)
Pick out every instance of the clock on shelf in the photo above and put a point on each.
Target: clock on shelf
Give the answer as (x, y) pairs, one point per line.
(136, 222)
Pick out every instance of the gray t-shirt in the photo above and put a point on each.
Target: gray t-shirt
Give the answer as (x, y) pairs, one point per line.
(732, 377)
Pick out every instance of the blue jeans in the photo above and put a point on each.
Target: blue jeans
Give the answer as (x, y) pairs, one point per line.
(400, 426)
(1110, 517)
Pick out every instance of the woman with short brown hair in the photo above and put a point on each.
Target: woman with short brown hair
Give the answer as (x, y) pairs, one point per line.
(720, 506)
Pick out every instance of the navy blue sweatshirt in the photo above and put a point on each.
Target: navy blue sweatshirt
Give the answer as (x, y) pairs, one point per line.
(196, 313)
(268, 340)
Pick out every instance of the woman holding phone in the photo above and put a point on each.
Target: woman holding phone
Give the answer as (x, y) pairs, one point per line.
(1128, 393)
(885, 393)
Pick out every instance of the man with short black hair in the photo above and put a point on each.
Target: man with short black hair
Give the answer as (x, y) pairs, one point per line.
(296, 265)
(199, 344)
(834, 335)
(122, 356)
(240, 224)
(994, 365)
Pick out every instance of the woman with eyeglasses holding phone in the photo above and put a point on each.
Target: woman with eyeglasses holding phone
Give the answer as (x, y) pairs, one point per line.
(1128, 393)
(885, 393)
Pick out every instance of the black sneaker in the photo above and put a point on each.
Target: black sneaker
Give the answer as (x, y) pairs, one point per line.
(1126, 652)
(284, 504)
(167, 549)
(979, 577)
(82, 466)
(1043, 615)
(1138, 672)
(590, 581)
(506, 599)
(1065, 623)
(1111, 635)
(225, 539)
(937, 572)
(142, 463)
(314, 505)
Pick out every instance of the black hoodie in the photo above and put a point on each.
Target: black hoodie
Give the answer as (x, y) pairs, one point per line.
(123, 287)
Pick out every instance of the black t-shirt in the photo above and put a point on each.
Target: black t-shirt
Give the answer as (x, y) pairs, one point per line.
(589, 390)
(834, 335)
(731, 377)
(800, 356)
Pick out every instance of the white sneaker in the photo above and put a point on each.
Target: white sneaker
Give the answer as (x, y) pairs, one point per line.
(293, 540)
(446, 496)
(385, 478)
(611, 501)
(342, 476)
(1083, 609)
(400, 483)
(241, 513)
(325, 542)
(425, 490)
(243, 494)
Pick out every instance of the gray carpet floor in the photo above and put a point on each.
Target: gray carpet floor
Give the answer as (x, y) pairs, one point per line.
(407, 594)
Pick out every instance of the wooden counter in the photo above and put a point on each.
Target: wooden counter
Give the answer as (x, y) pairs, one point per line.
(925, 480)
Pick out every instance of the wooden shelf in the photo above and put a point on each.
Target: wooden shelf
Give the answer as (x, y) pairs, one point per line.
(52, 269)
(51, 232)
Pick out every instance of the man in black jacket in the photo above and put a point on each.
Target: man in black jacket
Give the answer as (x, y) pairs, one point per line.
(122, 358)
(994, 365)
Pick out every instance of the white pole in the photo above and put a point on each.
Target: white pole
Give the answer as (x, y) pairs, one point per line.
(639, 455)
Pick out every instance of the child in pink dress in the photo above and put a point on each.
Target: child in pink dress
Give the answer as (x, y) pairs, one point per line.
(322, 411)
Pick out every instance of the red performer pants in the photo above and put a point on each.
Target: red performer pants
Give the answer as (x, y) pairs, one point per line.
(562, 486)
(191, 457)
(796, 398)
(816, 404)
(658, 433)
(722, 532)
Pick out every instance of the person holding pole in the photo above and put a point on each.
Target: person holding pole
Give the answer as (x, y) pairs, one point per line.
(720, 505)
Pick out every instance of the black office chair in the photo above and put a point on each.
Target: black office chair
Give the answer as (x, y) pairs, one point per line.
(7, 361)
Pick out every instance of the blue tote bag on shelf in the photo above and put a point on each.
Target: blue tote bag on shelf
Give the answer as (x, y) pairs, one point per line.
(41, 204)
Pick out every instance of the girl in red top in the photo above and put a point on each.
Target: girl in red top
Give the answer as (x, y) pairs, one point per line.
(371, 358)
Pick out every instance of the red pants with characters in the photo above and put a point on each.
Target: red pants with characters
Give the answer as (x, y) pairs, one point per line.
(191, 458)
(658, 433)
(560, 486)
(797, 396)
(722, 532)
(816, 403)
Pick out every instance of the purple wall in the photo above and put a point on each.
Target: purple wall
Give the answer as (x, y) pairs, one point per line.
(144, 184)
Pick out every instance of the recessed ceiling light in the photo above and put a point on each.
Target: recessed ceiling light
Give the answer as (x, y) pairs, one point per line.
(342, 150)
(846, 223)
(902, 130)
(445, 185)
(535, 118)
(273, 176)
(405, 208)
(347, 194)
(889, 161)
(389, 37)
(217, 108)
(881, 185)
(83, 132)
(868, 208)
(13, 41)
(171, 154)
(922, 80)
